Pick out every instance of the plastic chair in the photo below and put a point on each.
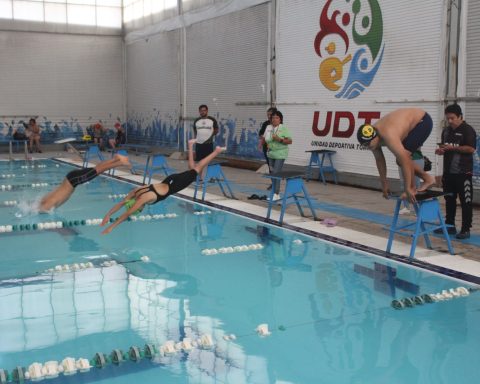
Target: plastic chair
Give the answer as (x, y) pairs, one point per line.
(156, 164)
(91, 152)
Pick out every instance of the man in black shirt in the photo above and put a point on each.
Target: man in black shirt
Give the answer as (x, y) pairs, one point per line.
(458, 146)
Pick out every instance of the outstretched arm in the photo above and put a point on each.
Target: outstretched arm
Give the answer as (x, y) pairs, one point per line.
(117, 207)
(124, 216)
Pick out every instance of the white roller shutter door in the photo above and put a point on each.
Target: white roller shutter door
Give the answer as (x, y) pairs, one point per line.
(68, 80)
(153, 97)
(226, 68)
(472, 104)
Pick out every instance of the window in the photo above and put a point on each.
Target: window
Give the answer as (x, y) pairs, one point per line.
(28, 10)
(138, 9)
(55, 13)
(6, 11)
(102, 13)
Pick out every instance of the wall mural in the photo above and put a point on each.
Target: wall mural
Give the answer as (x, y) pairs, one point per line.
(55, 130)
(240, 136)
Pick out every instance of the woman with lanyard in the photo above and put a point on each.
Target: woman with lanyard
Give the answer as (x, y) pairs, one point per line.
(278, 138)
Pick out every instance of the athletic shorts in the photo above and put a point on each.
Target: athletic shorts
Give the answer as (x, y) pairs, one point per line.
(419, 134)
(203, 150)
(80, 176)
(180, 181)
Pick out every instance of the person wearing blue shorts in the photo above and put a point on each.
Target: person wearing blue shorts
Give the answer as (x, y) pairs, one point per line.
(403, 132)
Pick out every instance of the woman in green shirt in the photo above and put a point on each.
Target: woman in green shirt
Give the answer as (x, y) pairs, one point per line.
(278, 138)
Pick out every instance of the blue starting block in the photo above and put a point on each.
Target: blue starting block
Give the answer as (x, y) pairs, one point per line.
(429, 218)
(293, 185)
(214, 175)
(91, 152)
(321, 158)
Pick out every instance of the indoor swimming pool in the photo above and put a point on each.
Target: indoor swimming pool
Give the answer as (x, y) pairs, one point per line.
(217, 297)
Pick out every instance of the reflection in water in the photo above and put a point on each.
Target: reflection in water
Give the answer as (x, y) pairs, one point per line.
(385, 280)
(280, 253)
(145, 299)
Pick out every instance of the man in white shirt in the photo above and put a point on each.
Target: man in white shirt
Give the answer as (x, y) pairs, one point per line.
(205, 128)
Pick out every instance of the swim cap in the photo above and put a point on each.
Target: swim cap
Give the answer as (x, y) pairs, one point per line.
(129, 204)
(366, 133)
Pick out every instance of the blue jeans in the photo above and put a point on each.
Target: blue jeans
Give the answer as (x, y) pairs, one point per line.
(276, 166)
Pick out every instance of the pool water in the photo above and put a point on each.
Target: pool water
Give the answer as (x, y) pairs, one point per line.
(328, 307)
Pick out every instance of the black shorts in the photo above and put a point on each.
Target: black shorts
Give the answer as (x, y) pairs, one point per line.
(179, 181)
(80, 176)
(419, 134)
(203, 150)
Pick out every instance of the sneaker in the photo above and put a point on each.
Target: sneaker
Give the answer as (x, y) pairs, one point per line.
(276, 197)
(404, 211)
(463, 235)
(450, 230)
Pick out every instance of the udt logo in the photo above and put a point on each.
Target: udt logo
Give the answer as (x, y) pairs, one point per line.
(360, 58)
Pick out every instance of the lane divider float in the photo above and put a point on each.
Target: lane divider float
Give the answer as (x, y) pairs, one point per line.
(429, 298)
(70, 366)
(10, 203)
(237, 248)
(76, 223)
(199, 213)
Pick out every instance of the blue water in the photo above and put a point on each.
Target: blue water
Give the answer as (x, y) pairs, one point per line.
(328, 307)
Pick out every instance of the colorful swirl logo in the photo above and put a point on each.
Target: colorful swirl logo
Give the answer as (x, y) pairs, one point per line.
(362, 59)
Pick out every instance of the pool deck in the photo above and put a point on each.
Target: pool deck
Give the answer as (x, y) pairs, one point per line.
(362, 215)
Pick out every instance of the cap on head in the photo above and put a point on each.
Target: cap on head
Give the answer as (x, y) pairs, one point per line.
(366, 133)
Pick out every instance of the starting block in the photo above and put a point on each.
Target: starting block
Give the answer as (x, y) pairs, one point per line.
(214, 174)
(294, 191)
(429, 218)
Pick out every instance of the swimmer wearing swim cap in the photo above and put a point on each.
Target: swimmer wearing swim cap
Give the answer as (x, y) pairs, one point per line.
(403, 132)
(151, 194)
(365, 134)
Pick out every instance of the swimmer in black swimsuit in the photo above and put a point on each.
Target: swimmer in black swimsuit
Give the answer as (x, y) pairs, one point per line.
(79, 176)
(136, 199)
(402, 131)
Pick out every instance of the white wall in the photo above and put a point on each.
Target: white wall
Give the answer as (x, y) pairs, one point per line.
(410, 73)
(153, 83)
(222, 62)
(67, 80)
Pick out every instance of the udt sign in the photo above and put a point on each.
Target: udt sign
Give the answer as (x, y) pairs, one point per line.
(363, 117)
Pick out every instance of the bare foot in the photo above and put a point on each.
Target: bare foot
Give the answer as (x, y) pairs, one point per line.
(428, 183)
(191, 142)
(123, 160)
